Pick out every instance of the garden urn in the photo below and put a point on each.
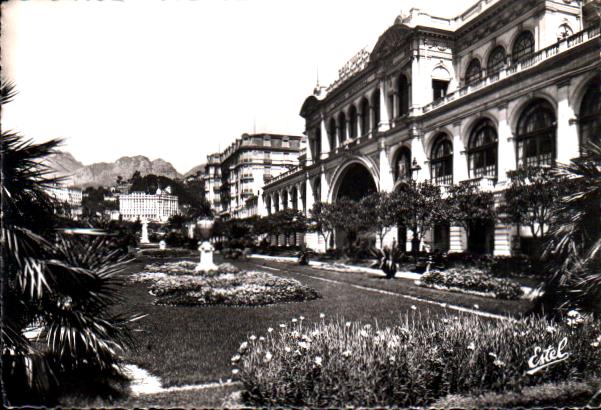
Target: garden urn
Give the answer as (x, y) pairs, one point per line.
(206, 248)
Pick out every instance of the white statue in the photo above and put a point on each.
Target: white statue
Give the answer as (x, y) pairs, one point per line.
(144, 238)
(162, 245)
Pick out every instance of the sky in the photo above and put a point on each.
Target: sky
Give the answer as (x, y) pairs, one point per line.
(178, 79)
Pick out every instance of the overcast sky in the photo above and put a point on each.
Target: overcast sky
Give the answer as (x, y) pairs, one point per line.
(178, 79)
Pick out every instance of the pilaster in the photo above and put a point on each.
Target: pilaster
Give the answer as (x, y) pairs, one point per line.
(567, 132)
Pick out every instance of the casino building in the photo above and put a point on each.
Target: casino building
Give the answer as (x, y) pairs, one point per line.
(506, 83)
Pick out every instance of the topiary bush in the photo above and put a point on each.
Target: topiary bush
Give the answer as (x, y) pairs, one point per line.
(472, 279)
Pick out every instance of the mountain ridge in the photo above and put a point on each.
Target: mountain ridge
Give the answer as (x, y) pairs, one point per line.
(75, 173)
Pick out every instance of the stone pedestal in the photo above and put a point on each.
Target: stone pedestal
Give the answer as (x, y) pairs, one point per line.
(206, 257)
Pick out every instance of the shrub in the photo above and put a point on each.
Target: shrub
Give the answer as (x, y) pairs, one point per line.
(474, 280)
(412, 364)
(512, 266)
(167, 253)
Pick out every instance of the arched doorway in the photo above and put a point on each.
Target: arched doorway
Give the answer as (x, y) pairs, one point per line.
(356, 182)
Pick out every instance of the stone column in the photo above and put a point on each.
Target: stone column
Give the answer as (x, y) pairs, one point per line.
(506, 162)
(325, 140)
(384, 124)
(324, 185)
(359, 122)
(347, 136)
(372, 121)
(261, 205)
(386, 177)
(395, 105)
(568, 145)
(456, 240)
(460, 171)
(419, 154)
(506, 149)
(310, 146)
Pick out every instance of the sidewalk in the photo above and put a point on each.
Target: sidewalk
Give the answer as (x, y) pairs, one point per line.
(529, 293)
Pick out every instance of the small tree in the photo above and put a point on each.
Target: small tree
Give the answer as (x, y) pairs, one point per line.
(467, 206)
(322, 220)
(420, 206)
(380, 212)
(530, 197)
(347, 216)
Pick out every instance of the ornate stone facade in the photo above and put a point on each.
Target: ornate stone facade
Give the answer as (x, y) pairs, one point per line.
(466, 98)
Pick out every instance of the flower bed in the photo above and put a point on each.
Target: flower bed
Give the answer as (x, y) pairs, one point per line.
(346, 364)
(176, 284)
(472, 279)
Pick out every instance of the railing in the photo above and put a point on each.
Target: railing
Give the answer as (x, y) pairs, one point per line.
(484, 183)
(535, 59)
(285, 174)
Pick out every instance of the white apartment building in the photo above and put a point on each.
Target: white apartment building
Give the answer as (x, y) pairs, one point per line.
(156, 207)
(234, 177)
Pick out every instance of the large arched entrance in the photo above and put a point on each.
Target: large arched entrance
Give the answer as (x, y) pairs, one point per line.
(356, 182)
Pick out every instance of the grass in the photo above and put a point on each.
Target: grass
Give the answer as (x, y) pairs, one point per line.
(336, 364)
(514, 308)
(190, 345)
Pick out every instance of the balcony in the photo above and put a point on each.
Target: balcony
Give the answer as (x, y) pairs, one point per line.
(534, 60)
(483, 183)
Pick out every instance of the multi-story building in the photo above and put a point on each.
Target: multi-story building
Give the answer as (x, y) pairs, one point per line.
(156, 207)
(71, 197)
(505, 84)
(234, 177)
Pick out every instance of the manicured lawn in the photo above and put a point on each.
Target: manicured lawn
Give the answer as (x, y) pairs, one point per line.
(191, 345)
(407, 287)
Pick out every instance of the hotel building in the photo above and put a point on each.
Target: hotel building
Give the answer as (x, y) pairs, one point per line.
(156, 207)
(505, 84)
(234, 177)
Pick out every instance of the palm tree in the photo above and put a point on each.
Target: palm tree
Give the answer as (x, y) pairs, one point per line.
(62, 286)
(575, 236)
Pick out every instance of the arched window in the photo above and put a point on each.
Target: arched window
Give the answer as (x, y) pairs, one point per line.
(376, 104)
(590, 114)
(353, 122)
(341, 127)
(364, 117)
(403, 95)
(402, 164)
(536, 135)
(332, 130)
(522, 47)
(317, 189)
(496, 60)
(473, 72)
(317, 146)
(482, 150)
(441, 162)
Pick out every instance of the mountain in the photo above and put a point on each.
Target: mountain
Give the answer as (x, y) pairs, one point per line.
(199, 168)
(105, 173)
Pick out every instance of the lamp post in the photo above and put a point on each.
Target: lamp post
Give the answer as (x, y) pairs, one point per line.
(205, 226)
(415, 168)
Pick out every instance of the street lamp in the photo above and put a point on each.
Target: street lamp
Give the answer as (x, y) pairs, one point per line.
(415, 168)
